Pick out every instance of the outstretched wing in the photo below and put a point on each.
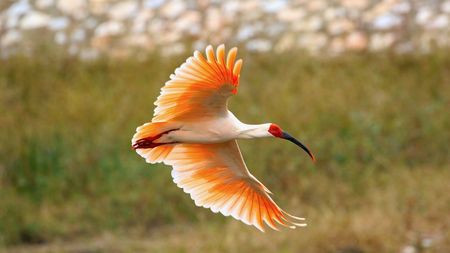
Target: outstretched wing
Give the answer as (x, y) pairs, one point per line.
(216, 177)
(200, 87)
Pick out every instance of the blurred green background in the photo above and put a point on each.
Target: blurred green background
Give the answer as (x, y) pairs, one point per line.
(379, 125)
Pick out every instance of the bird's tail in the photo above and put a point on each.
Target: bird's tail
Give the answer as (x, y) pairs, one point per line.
(143, 141)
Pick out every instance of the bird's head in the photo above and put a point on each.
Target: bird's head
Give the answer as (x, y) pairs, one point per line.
(277, 132)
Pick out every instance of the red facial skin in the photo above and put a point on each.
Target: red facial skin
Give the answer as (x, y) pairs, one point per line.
(275, 130)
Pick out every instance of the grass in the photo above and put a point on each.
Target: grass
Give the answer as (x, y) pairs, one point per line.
(378, 124)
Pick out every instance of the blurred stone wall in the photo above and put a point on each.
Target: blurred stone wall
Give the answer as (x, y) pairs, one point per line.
(89, 28)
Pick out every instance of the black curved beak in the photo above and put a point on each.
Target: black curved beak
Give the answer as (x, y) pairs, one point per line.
(288, 137)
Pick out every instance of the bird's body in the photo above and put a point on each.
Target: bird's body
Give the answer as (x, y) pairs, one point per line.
(193, 131)
(215, 130)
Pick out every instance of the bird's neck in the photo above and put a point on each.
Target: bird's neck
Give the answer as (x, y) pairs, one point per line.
(249, 131)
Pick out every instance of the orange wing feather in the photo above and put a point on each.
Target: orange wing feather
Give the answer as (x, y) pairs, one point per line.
(216, 177)
(200, 87)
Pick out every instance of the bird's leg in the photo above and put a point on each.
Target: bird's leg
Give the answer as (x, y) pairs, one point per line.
(148, 142)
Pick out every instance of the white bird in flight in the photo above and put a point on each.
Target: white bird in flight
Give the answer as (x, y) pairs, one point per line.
(193, 131)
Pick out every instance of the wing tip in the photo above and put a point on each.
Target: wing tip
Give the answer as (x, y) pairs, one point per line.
(237, 67)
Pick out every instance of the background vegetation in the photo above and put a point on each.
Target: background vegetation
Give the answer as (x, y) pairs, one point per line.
(378, 124)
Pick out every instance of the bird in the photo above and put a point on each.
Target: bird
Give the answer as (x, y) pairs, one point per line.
(193, 131)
